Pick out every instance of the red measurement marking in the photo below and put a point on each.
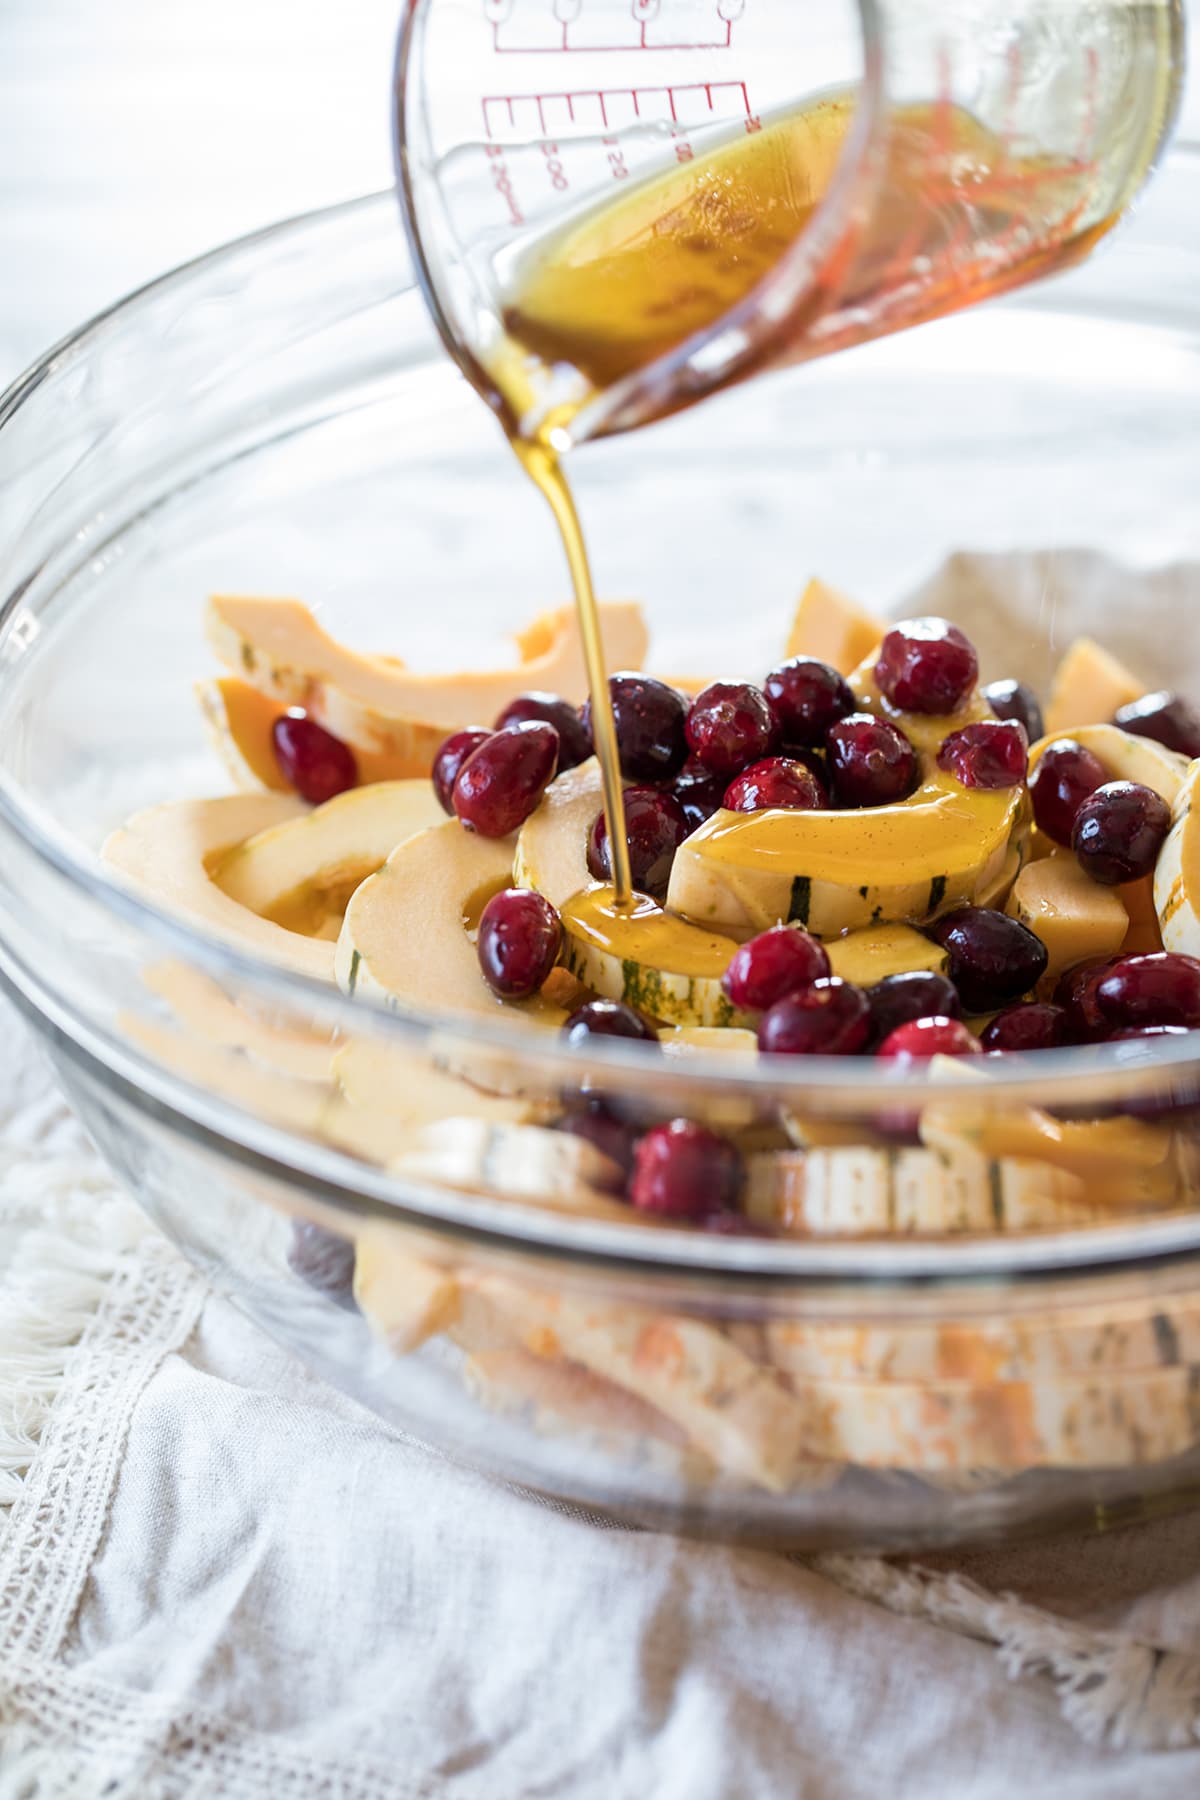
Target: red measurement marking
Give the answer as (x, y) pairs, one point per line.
(504, 43)
(637, 96)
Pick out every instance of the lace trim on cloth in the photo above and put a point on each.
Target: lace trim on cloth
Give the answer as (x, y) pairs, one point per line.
(91, 1302)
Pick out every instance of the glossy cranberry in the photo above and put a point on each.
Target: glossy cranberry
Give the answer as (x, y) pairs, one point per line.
(608, 1019)
(519, 939)
(993, 959)
(699, 792)
(597, 1124)
(807, 697)
(1065, 775)
(769, 967)
(655, 826)
(936, 1035)
(1013, 700)
(829, 1018)
(926, 666)
(1160, 989)
(325, 1261)
(574, 744)
(776, 783)
(730, 726)
(450, 759)
(871, 762)
(814, 761)
(650, 718)
(1119, 831)
(501, 783)
(1035, 1026)
(1167, 718)
(684, 1171)
(1075, 993)
(990, 754)
(918, 994)
(311, 760)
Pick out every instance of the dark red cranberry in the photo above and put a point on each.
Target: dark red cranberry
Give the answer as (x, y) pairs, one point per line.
(325, 1261)
(1065, 775)
(655, 826)
(917, 994)
(450, 759)
(311, 760)
(807, 697)
(933, 1036)
(990, 754)
(871, 762)
(699, 792)
(598, 1125)
(1160, 989)
(814, 761)
(520, 936)
(683, 1171)
(926, 666)
(830, 1018)
(1013, 700)
(574, 744)
(778, 782)
(730, 726)
(1035, 1026)
(1075, 993)
(649, 717)
(501, 783)
(1119, 831)
(771, 966)
(609, 1019)
(993, 959)
(1167, 718)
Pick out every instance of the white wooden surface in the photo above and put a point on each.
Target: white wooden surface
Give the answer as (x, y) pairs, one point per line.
(135, 133)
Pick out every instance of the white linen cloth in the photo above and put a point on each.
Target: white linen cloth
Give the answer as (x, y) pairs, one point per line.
(220, 1578)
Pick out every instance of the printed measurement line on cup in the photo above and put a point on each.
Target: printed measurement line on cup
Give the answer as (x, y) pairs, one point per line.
(521, 117)
(548, 27)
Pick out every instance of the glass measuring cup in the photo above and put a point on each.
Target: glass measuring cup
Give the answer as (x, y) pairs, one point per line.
(910, 157)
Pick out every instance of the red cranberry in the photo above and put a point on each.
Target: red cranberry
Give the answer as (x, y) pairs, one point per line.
(730, 726)
(926, 666)
(990, 754)
(1013, 700)
(807, 697)
(1034, 1026)
(1160, 989)
(610, 1019)
(311, 760)
(993, 959)
(649, 717)
(501, 783)
(917, 994)
(599, 1126)
(1065, 775)
(1119, 831)
(814, 761)
(871, 762)
(325, 1261)
(830, 1018)
(683, 1171)
(1075, 992)
(1167, 718)
(574, 744)
(519, 939)
(655, 826)
(778, 782)
(699, 792)
(450, 759)
(771, 966)
(934, 1036)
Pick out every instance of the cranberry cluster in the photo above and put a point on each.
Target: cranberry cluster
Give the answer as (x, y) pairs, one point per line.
(1116, 828)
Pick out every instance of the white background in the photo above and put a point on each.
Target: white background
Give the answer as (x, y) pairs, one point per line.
(135, 133)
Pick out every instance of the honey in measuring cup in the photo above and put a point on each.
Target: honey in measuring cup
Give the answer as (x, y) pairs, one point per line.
(823, 225)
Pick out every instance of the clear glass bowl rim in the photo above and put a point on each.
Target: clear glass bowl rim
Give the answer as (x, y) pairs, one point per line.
(858, 1083)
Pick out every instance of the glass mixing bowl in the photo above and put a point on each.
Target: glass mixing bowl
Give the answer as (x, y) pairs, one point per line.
(278, 418)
